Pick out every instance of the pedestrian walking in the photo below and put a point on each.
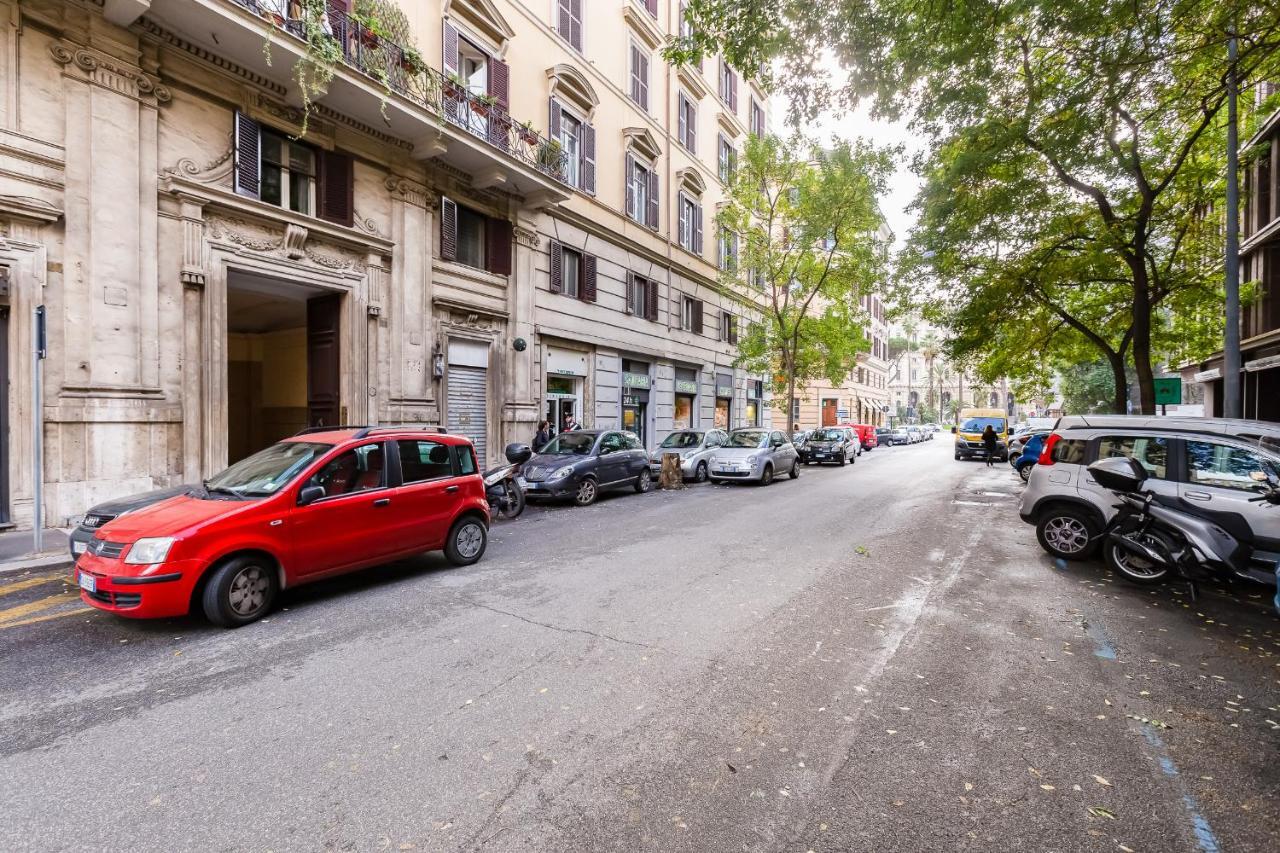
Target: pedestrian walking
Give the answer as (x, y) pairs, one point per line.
(543, 436)
(989, 443)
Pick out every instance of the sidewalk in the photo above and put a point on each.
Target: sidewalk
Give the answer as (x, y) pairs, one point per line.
(15, 550)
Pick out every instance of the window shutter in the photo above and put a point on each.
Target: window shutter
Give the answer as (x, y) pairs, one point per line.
(635, 73)
(497, 234)
(697, 316)
(653, 200)
(499, 83)
(733, 90)
(248, 155)
(682, 125)
(644, 80)
(587, 292)
(629, 175)
(448, 230)
(697, 229)
(565, 25)
(336, 187)
(651, 300)
(554, 121)
(652, 6)
(575, 37)
(632, 284)
(450, 63)
(557, 268)
(691, 126)
(588, 159)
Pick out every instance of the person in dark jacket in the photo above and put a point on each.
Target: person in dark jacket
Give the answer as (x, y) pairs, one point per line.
(543, 437)
(989, 442)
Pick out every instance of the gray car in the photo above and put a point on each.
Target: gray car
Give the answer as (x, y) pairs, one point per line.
(580, 464)
(100, 514)
(754, 454)
(694, 447)
(1199, 465)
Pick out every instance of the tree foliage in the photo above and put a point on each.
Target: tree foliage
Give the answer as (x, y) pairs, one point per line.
(1071, 194)
(806, 222)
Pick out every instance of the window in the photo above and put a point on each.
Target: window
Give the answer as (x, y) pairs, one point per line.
(466, 459)
(642, 296)
(640, 76)
(473, 239)
(288, 173)
(1153, 453)
(569, 22)
(726, 160)
(1070, 451)
(632, 441)
(356, 470)
(687, 123)
(691, 314)
(270, 167)
(728, 328)
(578, 143)
(728, 259)
(757, 118)
(611, 442)
(728, 86)
(424, 460)
(652, 7)
(1225, 467)
(690, 224)
(642, 192)
(686, 26)
(571, 142)
(572, 272)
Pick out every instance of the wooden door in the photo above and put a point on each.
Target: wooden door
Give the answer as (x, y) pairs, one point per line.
(324, 363)
(828, 413)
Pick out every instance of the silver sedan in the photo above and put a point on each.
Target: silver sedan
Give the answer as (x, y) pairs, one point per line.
(754, 454)
(694, 448)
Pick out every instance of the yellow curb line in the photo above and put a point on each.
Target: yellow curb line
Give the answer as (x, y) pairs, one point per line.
(46, 617)
(14, 613)
(17, 586)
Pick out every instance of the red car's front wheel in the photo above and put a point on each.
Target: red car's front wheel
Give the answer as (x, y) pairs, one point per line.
(240, 591)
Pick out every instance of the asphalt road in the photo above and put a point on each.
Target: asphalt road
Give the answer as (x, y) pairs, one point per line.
(873, 658)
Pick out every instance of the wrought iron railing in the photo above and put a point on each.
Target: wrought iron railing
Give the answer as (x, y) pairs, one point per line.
(403, 73)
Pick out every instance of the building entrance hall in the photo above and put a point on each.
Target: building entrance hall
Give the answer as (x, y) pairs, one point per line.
(283, 361)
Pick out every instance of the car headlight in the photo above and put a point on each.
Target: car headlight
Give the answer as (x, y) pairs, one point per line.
(714, 458)
(561, 473)
(144, 552)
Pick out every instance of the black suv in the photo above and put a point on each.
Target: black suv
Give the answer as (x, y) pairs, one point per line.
(831, 444)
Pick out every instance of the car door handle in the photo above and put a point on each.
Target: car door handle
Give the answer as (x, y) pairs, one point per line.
(1197, 496)
(382, 502)
(448, 490)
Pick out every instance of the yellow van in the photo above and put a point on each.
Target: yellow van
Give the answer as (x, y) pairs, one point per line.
(969, 433)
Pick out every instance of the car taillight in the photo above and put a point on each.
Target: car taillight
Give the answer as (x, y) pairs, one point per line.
(1046, 455)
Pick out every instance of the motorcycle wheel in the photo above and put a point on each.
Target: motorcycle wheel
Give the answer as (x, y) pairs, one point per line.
(515, 500)
(1135, 569)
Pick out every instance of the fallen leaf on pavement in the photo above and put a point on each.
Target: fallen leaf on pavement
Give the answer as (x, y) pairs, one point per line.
(1102, 781)
(1099, 811)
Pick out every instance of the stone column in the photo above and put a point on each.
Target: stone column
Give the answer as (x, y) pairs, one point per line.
(520, 409)
(405, 322)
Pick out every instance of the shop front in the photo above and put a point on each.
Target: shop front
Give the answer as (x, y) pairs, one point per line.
(566, 375)
(724, 401)
(686, 398)
(636, 382)
(755, 393)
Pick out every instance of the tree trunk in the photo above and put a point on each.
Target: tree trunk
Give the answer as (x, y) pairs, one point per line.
(1120, 400)
(671, 477)
(1141, 309)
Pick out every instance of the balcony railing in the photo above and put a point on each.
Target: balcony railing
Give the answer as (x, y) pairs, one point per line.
(389, 65)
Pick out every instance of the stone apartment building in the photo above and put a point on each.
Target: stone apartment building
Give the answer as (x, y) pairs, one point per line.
(864, 396)
(1259, 263)
(909, 388)
(508, 217)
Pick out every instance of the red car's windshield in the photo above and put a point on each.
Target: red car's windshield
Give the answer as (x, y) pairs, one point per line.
(266, 471)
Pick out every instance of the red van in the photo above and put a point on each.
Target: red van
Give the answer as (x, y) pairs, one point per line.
(321, 503)
(866, 435)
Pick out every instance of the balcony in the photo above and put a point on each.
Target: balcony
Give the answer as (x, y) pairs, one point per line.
(382, 85)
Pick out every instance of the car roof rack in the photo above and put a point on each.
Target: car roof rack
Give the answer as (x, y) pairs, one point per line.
(369, 430)
(334, 428)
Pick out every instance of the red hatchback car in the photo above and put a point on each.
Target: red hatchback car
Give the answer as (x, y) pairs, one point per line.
(321, 503)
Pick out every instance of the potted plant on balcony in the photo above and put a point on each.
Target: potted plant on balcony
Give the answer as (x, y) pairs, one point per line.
(551, 156)
(411, 60)
(528, 135)
(481, 105)
(368, 26)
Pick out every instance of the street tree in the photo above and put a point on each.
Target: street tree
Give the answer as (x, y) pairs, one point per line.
(1114, 102)
(806, 224)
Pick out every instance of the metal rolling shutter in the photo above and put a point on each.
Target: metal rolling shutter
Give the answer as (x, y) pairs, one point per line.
(467, 398)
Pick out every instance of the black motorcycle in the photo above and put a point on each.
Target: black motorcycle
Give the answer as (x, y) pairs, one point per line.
(502, 486)
(1148, 541)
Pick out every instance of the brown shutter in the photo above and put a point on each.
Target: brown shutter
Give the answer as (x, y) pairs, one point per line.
(697, 229)
(336, 187)
(697, 316)
(450, 52)
(652, 6)
(448, 230)
(635, 73)
(557, 268)
(733, 90)
(588, 159)
(691, 124)
(628, 173)
(632, 284)
(553, 121)
(644, 80)
(653, 199)
(499, 83)
(651, 300)
(248, 155)
(681, 214)
(682, 124)
(498, 246)
(587, 289)
(564, 26)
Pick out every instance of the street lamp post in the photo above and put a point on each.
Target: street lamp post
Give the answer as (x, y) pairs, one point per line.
(1231, 407)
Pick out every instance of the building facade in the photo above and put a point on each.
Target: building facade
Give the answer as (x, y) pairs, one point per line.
(864, 396)
(495, 217)
(920, 385)
(1259, 263)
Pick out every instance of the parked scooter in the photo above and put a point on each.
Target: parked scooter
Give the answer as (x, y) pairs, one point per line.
(506, 498)
(1148, 541)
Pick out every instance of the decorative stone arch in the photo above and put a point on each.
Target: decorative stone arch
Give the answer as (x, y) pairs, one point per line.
(482, 19)
(570, 86)
(690, 180)
(641, 141)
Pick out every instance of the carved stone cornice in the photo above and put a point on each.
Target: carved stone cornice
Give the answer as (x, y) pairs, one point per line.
(526, 237)
(213, 171)
(161, 34)
(368, 225)
(411, 192)
(291, 241)
(107, 71)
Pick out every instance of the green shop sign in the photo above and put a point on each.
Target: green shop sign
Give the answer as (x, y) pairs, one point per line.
(686, 386)
(635, 380)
